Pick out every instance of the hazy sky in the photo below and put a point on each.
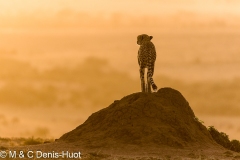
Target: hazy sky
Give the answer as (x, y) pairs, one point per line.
(45, 14)
(9, 7)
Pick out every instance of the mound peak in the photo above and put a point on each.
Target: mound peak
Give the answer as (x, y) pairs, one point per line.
(156, 119)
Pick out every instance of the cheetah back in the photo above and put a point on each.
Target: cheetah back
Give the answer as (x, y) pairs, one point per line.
(146, 55)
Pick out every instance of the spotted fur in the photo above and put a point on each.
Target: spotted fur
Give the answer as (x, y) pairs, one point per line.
(146, 59)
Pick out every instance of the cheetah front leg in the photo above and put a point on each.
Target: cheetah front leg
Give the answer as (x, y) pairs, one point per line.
(142, 79)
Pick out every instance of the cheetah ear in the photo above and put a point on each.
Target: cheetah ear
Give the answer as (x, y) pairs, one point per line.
(151, 37)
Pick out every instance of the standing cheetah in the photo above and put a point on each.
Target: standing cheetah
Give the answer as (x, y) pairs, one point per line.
(146, 59)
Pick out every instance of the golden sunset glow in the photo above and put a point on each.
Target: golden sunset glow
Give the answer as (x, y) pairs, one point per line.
(62, 60)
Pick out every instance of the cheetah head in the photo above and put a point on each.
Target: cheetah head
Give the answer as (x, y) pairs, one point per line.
(143, 38)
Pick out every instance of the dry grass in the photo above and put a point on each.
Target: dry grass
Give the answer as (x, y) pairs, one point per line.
(7, 143)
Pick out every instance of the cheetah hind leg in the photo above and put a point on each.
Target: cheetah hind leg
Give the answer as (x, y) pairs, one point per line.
(143, 87)
(148, 87)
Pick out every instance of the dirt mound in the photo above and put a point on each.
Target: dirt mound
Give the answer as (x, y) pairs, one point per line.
(158, 119)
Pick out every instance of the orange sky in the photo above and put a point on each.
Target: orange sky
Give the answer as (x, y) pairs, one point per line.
(46, 14)
(15, 7)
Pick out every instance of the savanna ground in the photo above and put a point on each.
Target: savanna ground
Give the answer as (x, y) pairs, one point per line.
(35, 145)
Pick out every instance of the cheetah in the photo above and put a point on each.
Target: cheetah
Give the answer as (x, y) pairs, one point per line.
(146, 59)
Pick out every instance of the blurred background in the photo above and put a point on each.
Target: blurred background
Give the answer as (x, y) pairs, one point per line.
(62, 60)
